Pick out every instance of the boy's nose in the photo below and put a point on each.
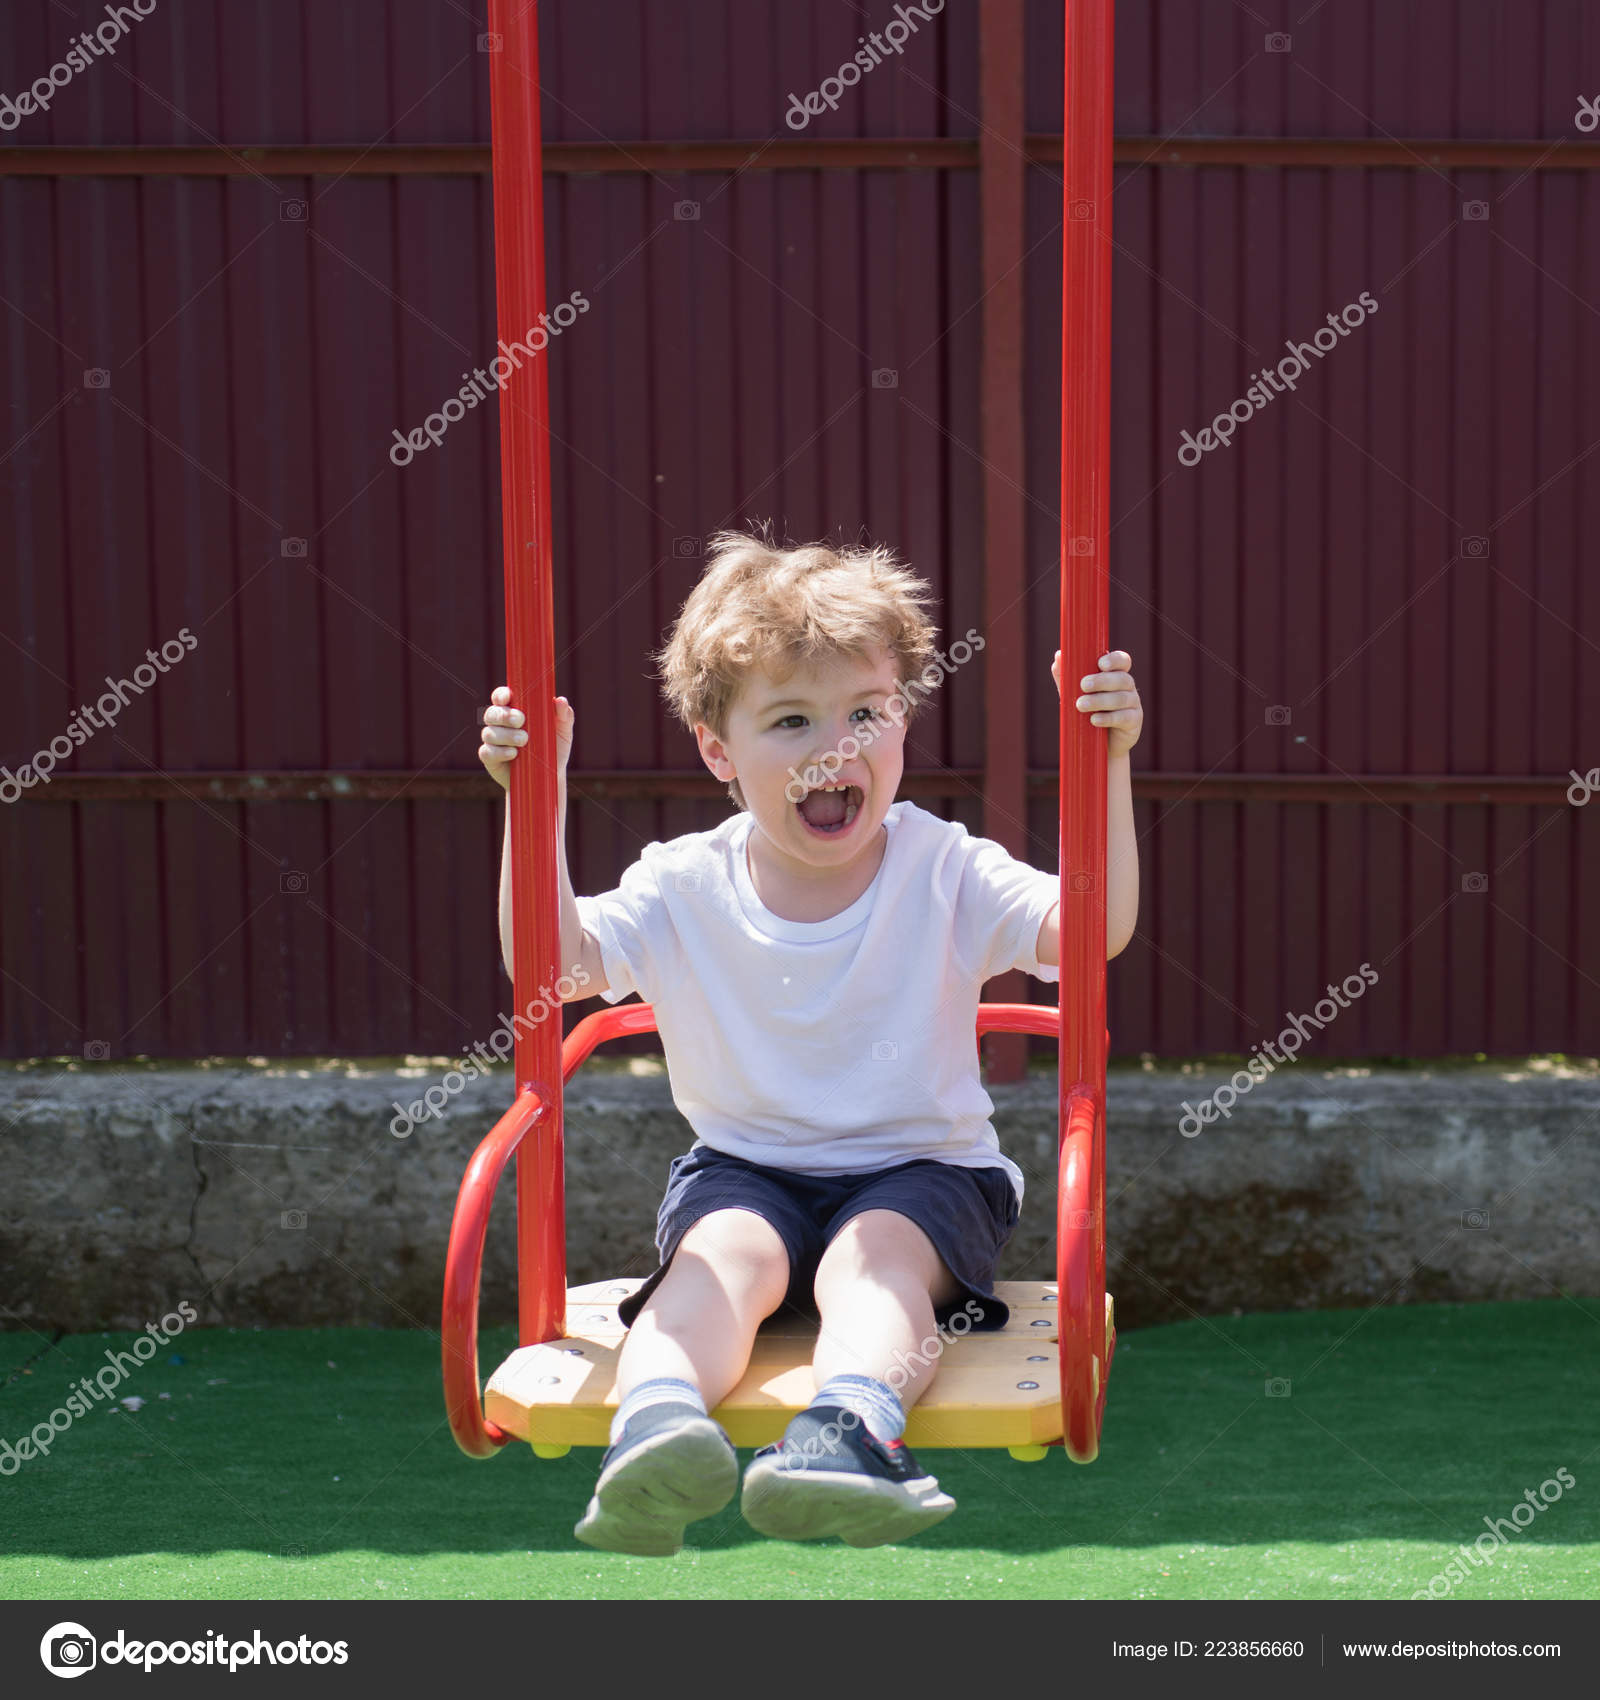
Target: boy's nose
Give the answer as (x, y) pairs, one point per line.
(840, 771)
(845, 773)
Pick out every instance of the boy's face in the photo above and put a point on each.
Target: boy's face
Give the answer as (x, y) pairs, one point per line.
(822, 814)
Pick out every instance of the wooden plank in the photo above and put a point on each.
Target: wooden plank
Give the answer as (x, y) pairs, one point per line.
(999, 1388)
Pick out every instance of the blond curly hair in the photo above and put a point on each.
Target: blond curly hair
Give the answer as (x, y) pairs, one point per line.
(758, 604)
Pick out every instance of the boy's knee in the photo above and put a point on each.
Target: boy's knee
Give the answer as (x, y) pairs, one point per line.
(889, 1250)
(742, 1249)
(880, 1243)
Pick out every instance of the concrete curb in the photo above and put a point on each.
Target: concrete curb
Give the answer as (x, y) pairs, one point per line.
(278, 1196)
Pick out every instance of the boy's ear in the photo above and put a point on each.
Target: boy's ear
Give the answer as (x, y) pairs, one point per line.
(714, 753)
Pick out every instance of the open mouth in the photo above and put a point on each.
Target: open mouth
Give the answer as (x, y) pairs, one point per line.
(830, 809)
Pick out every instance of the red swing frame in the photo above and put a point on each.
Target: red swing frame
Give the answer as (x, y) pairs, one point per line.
(531, 1129)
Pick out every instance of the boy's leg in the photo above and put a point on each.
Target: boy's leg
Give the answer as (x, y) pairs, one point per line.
(730, 1271)
(669, 1463)
(837, 1471)
(877, 1286)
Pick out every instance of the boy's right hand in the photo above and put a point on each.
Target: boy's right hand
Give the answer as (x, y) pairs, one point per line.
(503, 736)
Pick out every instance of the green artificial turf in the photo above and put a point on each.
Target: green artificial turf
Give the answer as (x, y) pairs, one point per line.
(316, 1464)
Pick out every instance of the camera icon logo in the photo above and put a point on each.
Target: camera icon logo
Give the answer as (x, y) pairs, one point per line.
(97, 378)
(294, 212)
(292, 548)
(1474, 882)
(491, 43)
(1475, 548)
(1279, 43)
(1278, 715)
(1080, 546)
(686, 548)
(885, 378)
(1080, 1218)
(292, 884)
(687, 882)
(686, 212)
(1476, 211)
(68, 1649)
(1081, 882)
(96, 1050)
(1474, 1219)
(1083, 211)
(885, 1050)
(292, 1219)
(1278, 1387)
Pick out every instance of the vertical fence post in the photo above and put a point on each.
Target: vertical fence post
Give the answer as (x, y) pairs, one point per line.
(1001, 168)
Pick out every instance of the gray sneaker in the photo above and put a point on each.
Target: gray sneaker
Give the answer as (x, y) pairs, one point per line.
(830, 1475)
(670, 1466)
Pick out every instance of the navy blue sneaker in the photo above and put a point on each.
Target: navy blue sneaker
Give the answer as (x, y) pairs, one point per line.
(670, 1466)
(830, 1475)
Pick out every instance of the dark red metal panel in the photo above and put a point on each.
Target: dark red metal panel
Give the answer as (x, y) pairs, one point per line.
(1002, 198)
(261, 361)
(1310, 567)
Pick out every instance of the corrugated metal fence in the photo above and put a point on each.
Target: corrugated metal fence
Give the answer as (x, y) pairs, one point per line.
(249, 242)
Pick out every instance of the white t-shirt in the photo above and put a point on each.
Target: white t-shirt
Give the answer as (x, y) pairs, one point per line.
(827, 1047)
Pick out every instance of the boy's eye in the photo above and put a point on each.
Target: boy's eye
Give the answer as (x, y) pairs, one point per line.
(799, 719)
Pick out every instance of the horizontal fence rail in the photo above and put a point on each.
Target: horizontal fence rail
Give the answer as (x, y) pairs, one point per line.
(892, 153)
(475, 786)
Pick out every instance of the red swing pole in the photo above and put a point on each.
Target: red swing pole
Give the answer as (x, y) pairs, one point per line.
(1085, 511)
(530, 1129)
(530, 659)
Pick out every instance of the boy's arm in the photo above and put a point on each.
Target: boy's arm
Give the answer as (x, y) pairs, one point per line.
(1122, 857)
(1122, 871)
(1111, 700)
(579, 951)
(503, 736)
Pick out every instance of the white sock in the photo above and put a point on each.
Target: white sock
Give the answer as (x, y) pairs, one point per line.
(875, 1402)
(664, 1389)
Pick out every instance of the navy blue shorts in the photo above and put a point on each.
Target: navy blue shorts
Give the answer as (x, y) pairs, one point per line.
(968, 1214)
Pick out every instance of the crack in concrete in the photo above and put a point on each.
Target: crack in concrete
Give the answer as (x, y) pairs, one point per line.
(204, 1181)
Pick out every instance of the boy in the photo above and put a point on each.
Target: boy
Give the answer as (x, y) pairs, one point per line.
(815, 964)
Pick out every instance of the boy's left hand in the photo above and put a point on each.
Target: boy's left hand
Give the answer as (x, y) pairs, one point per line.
(1110, 699)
